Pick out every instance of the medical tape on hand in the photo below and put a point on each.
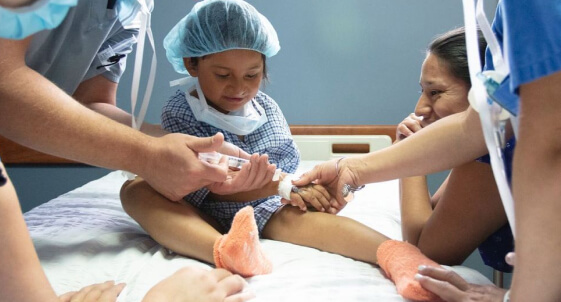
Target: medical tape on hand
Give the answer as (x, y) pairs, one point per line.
(285, 186)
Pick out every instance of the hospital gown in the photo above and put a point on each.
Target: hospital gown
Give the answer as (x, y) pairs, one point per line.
(272, 138)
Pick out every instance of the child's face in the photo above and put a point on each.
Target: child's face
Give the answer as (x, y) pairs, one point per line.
(229, 79)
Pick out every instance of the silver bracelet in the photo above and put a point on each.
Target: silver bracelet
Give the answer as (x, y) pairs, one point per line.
(347, 189)
(337, 165)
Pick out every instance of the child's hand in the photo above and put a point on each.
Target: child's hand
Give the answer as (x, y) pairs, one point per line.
(253, 175)
(312, 195)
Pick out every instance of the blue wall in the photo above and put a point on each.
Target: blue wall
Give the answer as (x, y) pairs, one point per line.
(341, 62)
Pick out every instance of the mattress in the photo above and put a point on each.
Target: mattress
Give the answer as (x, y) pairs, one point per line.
(85, 237)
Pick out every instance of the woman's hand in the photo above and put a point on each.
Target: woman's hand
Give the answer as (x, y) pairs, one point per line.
(101, 292)
(453, 288)
(333, 175)
(408, 127)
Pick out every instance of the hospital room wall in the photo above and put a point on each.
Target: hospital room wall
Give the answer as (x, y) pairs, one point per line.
(341, 62)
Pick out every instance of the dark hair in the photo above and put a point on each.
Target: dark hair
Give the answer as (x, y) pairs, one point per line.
(194, 62)
(450, 47)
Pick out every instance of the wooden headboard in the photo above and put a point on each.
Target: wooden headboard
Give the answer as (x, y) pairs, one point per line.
(13, 153)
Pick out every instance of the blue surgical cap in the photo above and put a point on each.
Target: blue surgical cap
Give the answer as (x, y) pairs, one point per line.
(214, 26)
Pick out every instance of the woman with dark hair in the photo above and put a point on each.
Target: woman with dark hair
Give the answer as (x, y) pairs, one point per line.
(466, 211)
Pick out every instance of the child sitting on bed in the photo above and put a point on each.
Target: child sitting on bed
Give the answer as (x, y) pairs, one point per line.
(223, 46)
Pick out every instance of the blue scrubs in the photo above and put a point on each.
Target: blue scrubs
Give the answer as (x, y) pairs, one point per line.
(529, 33)
(532, 31)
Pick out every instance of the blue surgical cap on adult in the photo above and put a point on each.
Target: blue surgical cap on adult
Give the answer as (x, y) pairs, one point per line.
(214, 26)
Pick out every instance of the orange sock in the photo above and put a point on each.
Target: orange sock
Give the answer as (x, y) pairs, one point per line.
(239, 251)
(400, 261)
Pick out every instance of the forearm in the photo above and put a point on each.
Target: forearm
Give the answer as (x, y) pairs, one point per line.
(117, 114)
(271, 188)
(537, 194)
(447, 143)
(538, 205)
(415, 207)
(39, 115)
(21, 276)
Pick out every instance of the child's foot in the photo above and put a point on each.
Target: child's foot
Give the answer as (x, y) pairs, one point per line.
(239, 251)
(400, 261)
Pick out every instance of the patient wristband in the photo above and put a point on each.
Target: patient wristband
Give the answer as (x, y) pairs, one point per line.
(285, 186)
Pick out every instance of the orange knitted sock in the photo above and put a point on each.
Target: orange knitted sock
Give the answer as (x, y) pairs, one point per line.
(239, 251)
(400, 261)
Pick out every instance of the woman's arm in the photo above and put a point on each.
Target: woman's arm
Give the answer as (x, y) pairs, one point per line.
(449, 142)
(446, 143)
(468, 212)
(415, 204)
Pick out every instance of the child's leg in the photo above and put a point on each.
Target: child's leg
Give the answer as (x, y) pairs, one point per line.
(240, 251)
(347, 237)
(185, 230)
(327, 232)
(401, 260)
(178, 226)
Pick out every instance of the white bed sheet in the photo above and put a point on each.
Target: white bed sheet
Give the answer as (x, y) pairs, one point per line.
(85, 237)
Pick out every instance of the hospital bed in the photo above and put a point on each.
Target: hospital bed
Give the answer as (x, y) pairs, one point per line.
(85, 237)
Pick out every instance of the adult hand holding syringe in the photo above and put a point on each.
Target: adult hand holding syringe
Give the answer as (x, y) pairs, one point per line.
(245, 174)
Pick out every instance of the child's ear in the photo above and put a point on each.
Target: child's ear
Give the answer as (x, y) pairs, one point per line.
(191, 68)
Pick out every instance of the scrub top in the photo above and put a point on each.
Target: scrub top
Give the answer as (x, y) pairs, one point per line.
(71, 53)
(532, 41)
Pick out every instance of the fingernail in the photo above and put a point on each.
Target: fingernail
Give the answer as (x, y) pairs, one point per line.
(421, 267)
(418, 277)
(332, 211)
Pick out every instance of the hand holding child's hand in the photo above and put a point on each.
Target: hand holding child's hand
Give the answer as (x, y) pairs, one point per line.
(312, 195)
(253, 175)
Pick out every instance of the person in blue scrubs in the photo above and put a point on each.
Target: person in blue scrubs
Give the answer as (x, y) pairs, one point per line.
(30, 101)
(530, 32)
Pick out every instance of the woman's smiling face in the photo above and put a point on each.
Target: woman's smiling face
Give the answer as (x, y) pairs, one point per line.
(442, 94)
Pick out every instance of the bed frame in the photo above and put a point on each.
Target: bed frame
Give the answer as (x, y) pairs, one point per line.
(305, 135)
(87, 230)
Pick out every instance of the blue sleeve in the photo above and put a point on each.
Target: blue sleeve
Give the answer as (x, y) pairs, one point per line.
(532, 37)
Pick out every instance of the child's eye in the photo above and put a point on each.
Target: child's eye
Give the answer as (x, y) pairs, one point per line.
(222, 76)
(251, 76)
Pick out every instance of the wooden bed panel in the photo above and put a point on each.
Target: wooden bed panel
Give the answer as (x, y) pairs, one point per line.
(13, 153)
